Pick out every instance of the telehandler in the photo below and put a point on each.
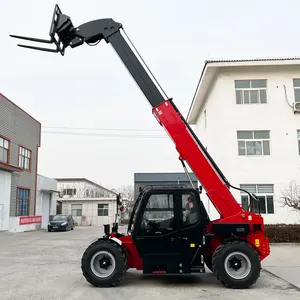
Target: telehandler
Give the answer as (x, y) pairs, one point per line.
(169, 231)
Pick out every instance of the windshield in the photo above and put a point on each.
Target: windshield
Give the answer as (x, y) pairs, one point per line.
(59, 218)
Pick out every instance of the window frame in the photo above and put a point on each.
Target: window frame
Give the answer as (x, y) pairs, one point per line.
(69, 192)
(103, 210)
(18, 201)
(20, 160)
(156, 206)
(245, 197)
(253, 139)
(296, 88)
(8, 149)
(249, 89)
(298, 139)
(197, 215)
(76, 209)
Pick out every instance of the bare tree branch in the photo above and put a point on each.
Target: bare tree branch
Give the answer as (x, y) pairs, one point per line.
(291, 196)
(126, 191)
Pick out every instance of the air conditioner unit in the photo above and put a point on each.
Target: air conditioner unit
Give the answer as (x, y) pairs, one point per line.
(296, 107)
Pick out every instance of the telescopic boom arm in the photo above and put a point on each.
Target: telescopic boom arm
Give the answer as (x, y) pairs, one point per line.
(63, 34)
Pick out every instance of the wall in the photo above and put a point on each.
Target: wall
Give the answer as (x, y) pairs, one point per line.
(14, 225)
(90, 211)
(5, 183)
(224, 117)
(46, 200)
(21, 129)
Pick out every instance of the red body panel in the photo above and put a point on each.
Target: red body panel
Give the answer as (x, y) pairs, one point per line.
(216, 189)
(256, 238)
(133, 257)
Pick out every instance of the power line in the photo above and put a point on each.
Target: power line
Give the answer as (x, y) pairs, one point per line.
(104, 134)
(101, 129)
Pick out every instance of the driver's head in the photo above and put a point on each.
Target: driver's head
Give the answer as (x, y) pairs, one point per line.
(190, 202)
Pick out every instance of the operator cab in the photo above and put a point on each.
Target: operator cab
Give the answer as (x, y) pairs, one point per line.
(167, 225)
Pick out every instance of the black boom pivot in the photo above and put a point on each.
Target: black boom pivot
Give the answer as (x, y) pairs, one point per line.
(63, 34)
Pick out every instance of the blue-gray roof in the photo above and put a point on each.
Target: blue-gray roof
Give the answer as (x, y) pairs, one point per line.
(163, 177)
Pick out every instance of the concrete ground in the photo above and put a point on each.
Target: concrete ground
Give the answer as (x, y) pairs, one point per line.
(41, 266)
(284, 261)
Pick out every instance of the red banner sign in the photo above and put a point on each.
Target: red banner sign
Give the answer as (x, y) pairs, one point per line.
(30, 220)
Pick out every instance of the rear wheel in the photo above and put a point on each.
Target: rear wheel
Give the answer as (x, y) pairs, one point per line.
(236, 265)
(104, 263)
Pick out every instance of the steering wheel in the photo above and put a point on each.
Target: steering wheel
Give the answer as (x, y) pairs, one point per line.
(149, 225)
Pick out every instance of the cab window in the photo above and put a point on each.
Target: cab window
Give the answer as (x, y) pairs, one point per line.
(190, 210)
(158, 217)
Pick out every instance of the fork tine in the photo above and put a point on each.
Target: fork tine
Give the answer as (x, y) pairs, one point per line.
(38, 48)
(31, 39)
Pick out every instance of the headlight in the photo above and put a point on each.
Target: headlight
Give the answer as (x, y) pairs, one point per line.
(64, 223)
(49, 223)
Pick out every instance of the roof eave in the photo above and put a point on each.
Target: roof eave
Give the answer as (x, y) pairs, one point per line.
(206, 78)
(215, 65)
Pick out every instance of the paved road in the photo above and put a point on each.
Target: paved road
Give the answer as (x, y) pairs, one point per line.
(284, 261)
(42, 266)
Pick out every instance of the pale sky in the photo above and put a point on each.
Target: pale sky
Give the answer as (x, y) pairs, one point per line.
(91, 88)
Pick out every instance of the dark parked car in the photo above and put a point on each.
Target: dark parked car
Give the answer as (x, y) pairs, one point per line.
(61, 222)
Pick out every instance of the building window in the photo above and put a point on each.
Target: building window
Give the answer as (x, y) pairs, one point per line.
(253, 142)
(76, 210)
(22, 201)
(102, 210)
(69, 192)
(251, 91)
(298, 137)
(24, 158)
(265, 195)
(296, 84)
(4, 150)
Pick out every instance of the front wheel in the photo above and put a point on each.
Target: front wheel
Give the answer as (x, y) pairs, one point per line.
(104, 263)
(236, 265)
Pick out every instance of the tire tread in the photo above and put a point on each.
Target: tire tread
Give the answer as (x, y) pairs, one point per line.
(217, 258)
(116, 280)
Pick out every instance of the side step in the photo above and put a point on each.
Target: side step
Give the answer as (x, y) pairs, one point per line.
(197, 269)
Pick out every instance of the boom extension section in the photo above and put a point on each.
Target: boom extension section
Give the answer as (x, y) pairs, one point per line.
(63, 34)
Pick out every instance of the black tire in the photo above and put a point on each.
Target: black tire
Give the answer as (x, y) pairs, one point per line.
(219, 259)
(120, 261)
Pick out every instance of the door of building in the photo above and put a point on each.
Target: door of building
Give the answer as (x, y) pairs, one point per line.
(45, 210)
(1, 216)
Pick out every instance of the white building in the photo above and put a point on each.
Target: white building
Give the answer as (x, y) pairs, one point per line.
(90, 211)
(243, 111)
(88, 202)
(81, 188)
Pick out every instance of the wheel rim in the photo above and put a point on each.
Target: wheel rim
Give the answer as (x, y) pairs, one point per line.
(103, 264)
(237, 265)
